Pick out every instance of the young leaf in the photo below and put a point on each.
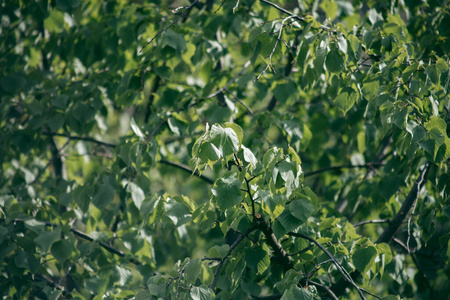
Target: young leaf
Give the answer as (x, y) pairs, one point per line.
(202, 293)
(334, 62)
(364, 258)
(301, 208)
(192, 270)
(258, 258)
(227, 192)
(346, 99)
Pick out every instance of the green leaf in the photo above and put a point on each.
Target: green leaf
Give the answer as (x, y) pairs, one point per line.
(47, 238)
(417, 132)
(164, 72)
(95, 285)
(62, 250)
(301, 208)
(288, 221)
(434, 71)
(284, 92)
(177, 212)
(219, 251)
(175, 40)
(346, 99)
(355, 45)
(249, 157)
(258, 258)
(137, 194)
(400, 117)
(13, 83)
(225, 139)
(136, 129)
(104, 196)
(334, 62)
(391, 297)
(121, 275)
(209, 151)
(237, 129)
(364, 258)
(271, 204)
(409, 70)
(294, 292)
(202, 293)
(227, 192)
(370, 89)
(192, 270)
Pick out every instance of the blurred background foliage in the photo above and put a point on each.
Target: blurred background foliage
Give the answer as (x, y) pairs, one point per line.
(97, 130)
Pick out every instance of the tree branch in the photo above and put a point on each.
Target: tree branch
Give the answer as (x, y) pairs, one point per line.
(84, 236)
(79, 138)
(187, 10)
(187, 169)
(278, 250)
(409, 202)
(371, 222)
(232, 247)
(230, 82)
(341, 270)
(335, 168)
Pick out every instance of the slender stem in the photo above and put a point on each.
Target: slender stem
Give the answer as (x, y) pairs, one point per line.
(341, 270)
(169, 25)
(186, 169)
(371, 222)
(232, 247)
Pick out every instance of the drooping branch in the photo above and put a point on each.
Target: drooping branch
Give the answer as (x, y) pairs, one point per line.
(337, 168)
(409, 202)
(341, 270)
(187, 169)
(79, 138)
(86, 237)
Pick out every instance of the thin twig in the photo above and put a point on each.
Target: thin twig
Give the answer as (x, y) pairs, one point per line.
(327, 289)
(79, 138)
(335, 168)
(292, 15)
(371, 222)
(341, 270)
(240, 101)
(301, 251)
(232, 247)
(231, 81)
(269, 65)
(186, 169)
(170, 24)
(235, 7)
(419, 268)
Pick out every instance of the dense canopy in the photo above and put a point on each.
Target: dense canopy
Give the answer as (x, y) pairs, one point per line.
(235, 149)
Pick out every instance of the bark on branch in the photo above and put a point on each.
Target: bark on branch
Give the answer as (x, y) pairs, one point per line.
(409, 202)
